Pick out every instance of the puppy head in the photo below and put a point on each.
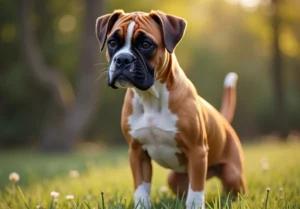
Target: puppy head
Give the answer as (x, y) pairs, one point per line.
(138, 45)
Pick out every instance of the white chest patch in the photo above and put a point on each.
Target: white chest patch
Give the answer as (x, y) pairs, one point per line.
(154, 125)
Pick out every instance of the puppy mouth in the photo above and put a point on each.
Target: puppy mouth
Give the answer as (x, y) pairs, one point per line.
(122, 82)
(126, 79)
(138, 75)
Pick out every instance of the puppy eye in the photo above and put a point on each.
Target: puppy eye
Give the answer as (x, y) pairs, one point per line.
(112, 44)
(145, 45)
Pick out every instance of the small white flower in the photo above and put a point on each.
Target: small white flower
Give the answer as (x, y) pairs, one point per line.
(264, 164)
(74, 174)
(163, 189)
(54, 194)
(39, 207)
(70, 197)
(14, 177)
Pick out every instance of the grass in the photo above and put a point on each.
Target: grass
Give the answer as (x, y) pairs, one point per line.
(268, 165)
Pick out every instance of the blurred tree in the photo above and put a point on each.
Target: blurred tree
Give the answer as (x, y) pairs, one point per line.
(67, 115)
(277, 71)
(222, 36)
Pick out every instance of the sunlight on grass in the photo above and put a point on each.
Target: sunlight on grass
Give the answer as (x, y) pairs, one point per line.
(273, 166)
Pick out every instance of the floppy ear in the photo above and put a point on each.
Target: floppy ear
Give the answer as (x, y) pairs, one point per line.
(104, 24)
(173, 28)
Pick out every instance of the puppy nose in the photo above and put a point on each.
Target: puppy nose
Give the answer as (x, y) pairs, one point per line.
(124, 60)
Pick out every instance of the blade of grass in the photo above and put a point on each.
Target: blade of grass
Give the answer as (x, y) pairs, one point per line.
(267, 198)
(23, 198)
(87, 203)
(102, 197)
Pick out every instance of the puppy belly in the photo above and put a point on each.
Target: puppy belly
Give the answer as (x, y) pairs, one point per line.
(161, 147)
(154, 125)
(165, 156)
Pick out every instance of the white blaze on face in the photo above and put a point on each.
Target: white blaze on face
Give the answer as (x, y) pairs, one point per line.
(125, 49)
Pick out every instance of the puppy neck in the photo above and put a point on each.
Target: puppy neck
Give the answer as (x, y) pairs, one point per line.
(153, 92)
(170, 72)
(167, 77)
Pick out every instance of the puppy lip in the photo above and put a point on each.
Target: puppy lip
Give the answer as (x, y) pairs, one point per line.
(130, 76)
(123, 82)
(112, 84)
(138, 74)
(122, 78)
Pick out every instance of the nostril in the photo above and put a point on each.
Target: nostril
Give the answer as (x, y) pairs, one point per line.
(127, 61)
(118, 61)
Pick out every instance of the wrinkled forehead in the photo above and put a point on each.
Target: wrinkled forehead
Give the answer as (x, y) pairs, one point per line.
(143, 22)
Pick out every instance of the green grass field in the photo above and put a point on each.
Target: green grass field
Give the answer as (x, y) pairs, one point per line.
(268, 165)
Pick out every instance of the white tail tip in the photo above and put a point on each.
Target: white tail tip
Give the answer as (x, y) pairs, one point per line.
(230, 79)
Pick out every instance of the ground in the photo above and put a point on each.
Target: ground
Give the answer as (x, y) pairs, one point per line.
(269, 166)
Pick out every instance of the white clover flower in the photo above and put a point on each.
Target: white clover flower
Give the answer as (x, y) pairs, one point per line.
(14, 177)
(264, 164)
(70, 197)
(54, 194)
(74, 174)
(39, 207)
(163, 189)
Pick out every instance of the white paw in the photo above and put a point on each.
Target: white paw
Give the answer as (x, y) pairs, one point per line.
(195, 199)
(195, 205)
(142, 197)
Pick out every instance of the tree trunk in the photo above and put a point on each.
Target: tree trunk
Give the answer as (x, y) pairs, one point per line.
(67, 116)
(277, 73)
(78, 116)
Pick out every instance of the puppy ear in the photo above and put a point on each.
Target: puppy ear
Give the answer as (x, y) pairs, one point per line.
(104, 24)
(173, 28)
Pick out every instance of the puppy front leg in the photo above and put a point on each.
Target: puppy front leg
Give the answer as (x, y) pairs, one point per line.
(142, 172)
(197, 167)
(147, 171)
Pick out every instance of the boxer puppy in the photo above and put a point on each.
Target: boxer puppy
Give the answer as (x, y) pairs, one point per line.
(163, 117)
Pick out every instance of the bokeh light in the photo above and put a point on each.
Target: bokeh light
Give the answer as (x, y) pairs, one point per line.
(67, 23)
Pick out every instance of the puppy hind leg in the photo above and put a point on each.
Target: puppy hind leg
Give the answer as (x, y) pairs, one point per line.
(178, 183)
(233, 179)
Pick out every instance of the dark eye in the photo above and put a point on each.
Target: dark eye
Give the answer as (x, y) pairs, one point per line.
(145, 45)
(112, 44)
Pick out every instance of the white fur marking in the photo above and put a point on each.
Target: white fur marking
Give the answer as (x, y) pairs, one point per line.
(125, 49)
(195, 199)
(142, 197)
(147, 186)
(154, 125)
(230, 79)
(129, 33)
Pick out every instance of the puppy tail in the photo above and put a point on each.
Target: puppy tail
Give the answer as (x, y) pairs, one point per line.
(229, 96)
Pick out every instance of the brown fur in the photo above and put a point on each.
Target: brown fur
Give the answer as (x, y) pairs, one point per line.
(209, 145)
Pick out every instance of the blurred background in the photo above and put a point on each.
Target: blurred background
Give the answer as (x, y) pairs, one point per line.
(51, 97)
